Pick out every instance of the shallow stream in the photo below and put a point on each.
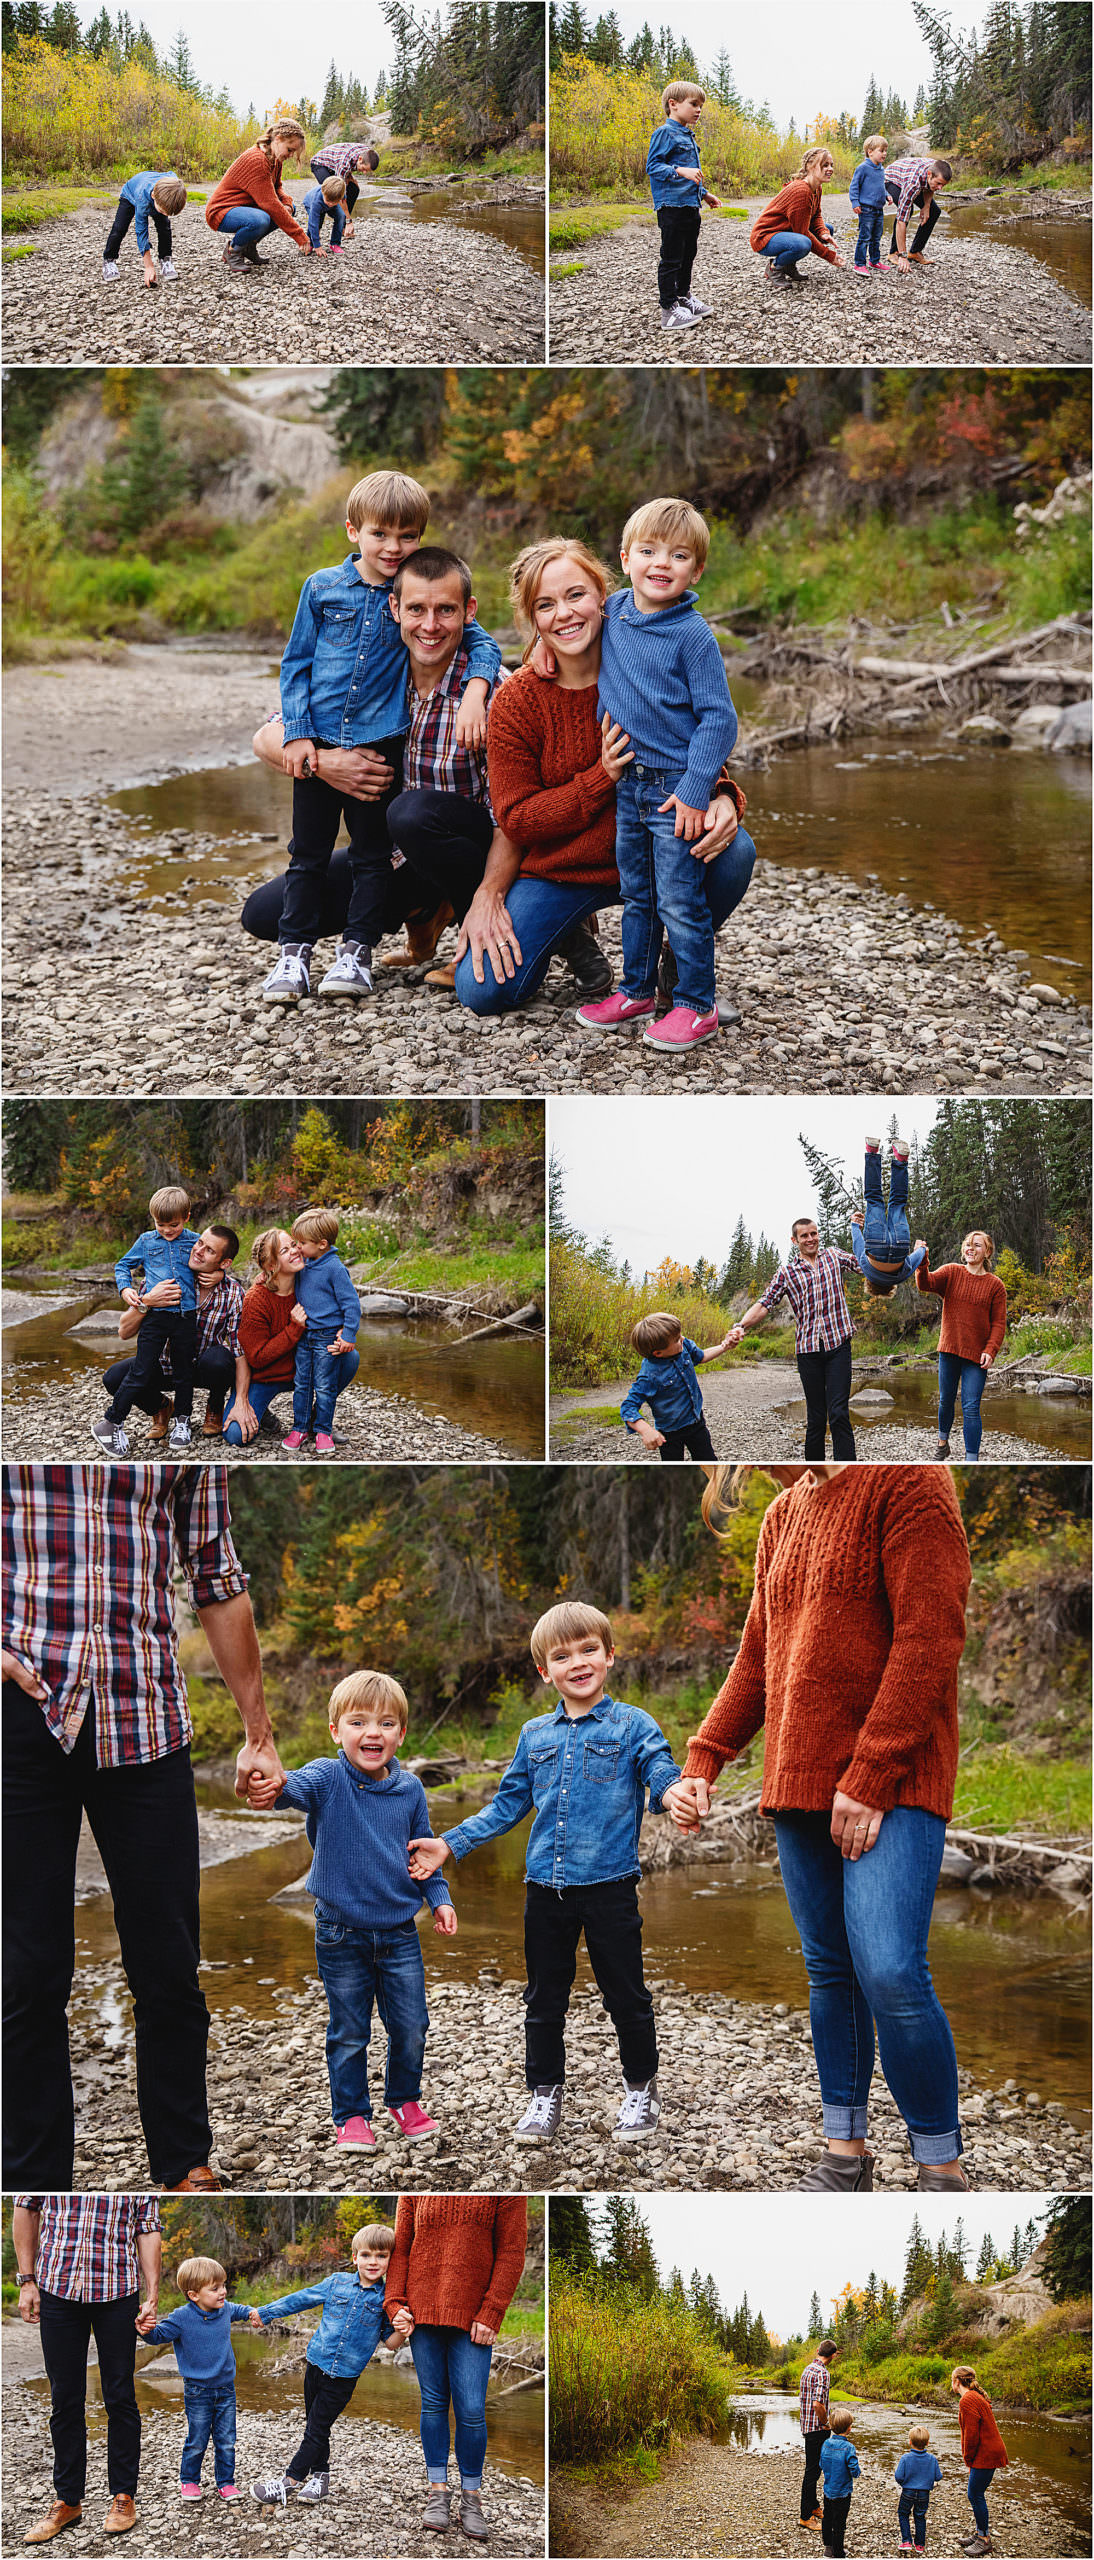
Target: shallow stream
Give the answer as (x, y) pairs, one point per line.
(1062, 245)
(1051, 2457)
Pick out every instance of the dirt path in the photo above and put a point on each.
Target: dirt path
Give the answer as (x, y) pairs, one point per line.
(749, 1417)
(979, 302)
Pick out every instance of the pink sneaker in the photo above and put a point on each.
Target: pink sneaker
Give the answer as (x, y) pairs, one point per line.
(189, 2488)
(295, 1441)
(413, 2121)
(682, 1029)
(355, 2135)
(324, 1445)
(229, 2490)
(611, 1013)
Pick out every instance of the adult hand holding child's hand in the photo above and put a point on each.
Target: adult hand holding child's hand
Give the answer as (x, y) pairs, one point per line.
(259, 1761)
(687, 1800)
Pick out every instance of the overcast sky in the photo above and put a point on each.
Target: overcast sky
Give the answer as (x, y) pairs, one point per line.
(672, 1175)
(777, 2248)
(260, 50)
(802, 59)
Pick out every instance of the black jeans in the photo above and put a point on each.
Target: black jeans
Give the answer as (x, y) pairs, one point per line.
(612, 1922)
(120, 225)
(695, 1438)
(317, 809)
(161, 1325)
(834, 2524)
(679, 228)
(322, 169)
(826, 1379)
(811, 2480)
(925, 225)
(445, 840)
(144, 1819)
(325, 2397)
(216, 1371)
(67, 2330)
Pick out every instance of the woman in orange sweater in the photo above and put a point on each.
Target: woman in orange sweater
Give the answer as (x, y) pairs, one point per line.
(456, 2265)
(849, 1662)
(270, 1324)
(974, 1323)
(249, 199)
(792, 226)
(982, 2448)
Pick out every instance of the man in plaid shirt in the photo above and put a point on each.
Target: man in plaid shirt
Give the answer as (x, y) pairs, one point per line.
(813, 1283)
(220, 1364)
(339, 160)
(96, 1724)
(813, 2411)
(84, 2263)
(915, 182)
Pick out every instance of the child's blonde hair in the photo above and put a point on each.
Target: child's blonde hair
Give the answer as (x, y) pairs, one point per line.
(373, 2235)
(681, 93)
(194, 2272)
(388, 498)
(367, 1689)
(655, 1332)
(872, 141)
(169, 195)
(315, 1226)
(668, 520)
(279, 132)
(171, 1202)
(989, 1257)
(840, 2421)
(564, 1624)
(528, 568)
(920, 2437)
(333, 190)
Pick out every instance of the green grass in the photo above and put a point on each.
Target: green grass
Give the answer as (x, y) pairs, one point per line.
(808, 574)
(14, 249)
(1045, 2366)
(623, 2379)
(1001, 1790)
(576, 267)
(573, 225)
(1033, 177)
(24, 208)
(514, 1265)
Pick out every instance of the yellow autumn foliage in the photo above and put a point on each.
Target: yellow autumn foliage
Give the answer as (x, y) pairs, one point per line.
(602, 119)
(64, 113)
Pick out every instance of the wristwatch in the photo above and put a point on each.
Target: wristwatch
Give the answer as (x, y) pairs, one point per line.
(28, 2277)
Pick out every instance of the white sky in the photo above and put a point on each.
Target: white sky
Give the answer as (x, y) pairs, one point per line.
(673, 1175)
(776, 2248)
(802, 59)
(265, 49)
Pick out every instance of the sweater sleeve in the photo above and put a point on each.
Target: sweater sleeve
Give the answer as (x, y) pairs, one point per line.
(167, 2332)
(306, 1788)
(854, 191)
(399, 2262)
(510, 2248)
(349, 1304)
(715, 718)
(998, 1302)
(926, 1572)
(527, 812)
(738, 1710)
(435, 1890)
(265, 1338)
(933, 1284)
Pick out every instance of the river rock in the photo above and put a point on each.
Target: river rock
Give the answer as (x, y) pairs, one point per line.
(986, 728)
(381, 1303)
(871, 1395)
(1033, 727)
(957, 1866)
(48, 1419)
(1072, 733)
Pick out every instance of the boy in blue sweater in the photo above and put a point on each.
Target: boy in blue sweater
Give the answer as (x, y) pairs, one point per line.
(353, 2325)
(663, 683)
(882, 1242)
(869, 200)
(362, 1811)
(678, 189)
(582, 1772)
(161, 1253)
(155, 193)
(667, 1382)
(344, 684)
(200, 2334)
(323, 1366)
(840, 2470)
(329, 198)
(917, 2473)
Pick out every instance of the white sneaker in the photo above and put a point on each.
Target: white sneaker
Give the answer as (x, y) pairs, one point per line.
(679, 317)
(638, 2114)
(169, 273)
(349, 974)
(180, 1434)
(110, 271)
(273, 2491)
(316, 2487)
(291, 979)
(702, 310)
(543, 2116)
(111, 1436)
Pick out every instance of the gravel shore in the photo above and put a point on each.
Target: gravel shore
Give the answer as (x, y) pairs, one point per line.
(978, 302)
(748, 1411)
(401, 293)
(53, 1422)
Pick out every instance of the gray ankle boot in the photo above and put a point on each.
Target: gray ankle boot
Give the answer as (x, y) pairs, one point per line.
(845, 2176)
(437, 2517)
(932, 2182)
(471, 2515)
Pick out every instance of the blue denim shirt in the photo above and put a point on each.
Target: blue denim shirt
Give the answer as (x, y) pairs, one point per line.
(585, 1778)
(344, 672)
(673, 147)
(137, 191)
(840, 2465)
(162, 1258)
(669, 1387)
(353, 2325)
(868, 186)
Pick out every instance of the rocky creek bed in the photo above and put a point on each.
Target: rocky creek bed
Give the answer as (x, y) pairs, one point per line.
(978, 302)
(53, 1421)
(401, 293)
(748, 1411)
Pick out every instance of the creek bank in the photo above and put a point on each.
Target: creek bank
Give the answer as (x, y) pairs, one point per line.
(51, 1421)
(818, 687)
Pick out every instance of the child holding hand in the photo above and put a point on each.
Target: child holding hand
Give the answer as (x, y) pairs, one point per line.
(200, 2334)
(667, 1382)
(882, 1239)
(353, 2325)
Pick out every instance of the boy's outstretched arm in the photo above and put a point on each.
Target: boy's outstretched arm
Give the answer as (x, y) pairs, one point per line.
(426, 1857)
(512, 1801)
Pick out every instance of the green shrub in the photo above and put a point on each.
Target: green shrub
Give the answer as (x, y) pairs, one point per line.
(626, 2372)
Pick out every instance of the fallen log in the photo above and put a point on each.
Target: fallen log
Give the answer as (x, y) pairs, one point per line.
(520, 1323)
(914, 672)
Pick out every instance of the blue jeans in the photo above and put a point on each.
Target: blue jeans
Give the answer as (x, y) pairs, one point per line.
(787, 248)
(863, 1926)
(979, 2483)
(450, 2367)
(545, 911)
(662, 889)
(868, 245)
(888, 1235)
(970, 1377)
(260, 1393)
(912, 2517)
(210, 2411)
(337, 218)
(319, 1377)
(246, 224)
(358, 1967)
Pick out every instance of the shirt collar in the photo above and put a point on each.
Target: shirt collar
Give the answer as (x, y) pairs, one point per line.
(560, 1716)
(362, 1784)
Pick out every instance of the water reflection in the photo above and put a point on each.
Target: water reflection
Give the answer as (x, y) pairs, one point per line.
(1062, 246)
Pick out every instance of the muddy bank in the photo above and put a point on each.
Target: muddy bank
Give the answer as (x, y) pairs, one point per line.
(54, 1421)
(400, 293)
(978, 302)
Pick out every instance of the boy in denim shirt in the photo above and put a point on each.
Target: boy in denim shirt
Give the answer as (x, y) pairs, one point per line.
(678, 189)
(322, 1367)
(353, 2325)
(839, 2469)
(343, 684)
(667, 1382)
(587, 1793)
(200, 2334)
(882, 1242)
(161, 1253)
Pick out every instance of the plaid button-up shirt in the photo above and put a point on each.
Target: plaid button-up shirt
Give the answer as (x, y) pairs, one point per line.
(218, 1321)
(87, 2245)
(911, 177)
(88, 1555)
(815, 1291)
(432, 761)
(341, 161)
(813, 2397)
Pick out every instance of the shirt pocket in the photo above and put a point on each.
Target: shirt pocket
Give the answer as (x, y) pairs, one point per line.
(339, 626)
(601, 1762)
(543, 1771)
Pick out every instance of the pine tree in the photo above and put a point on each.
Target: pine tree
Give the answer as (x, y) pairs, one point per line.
(918, 2264)
(720, 82)
(573, 32)
(570, 2234)
(958, 2250)
(815, 2315)
(331, 109)
(1068, 2262)
(986, 2260)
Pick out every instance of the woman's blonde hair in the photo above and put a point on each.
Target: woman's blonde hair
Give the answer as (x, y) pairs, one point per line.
(265, 1249)
(721, 1490)
(819, 151)
(964, 2374)
(528, 568)
(989, 1240)
(277, 132)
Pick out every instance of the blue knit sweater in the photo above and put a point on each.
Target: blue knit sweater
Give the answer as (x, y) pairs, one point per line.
(360, 1829)
(327, 1294)
(662, 678)
(202, 2340)
(868, 186)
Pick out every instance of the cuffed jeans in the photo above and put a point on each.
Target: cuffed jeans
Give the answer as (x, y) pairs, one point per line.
(67, 2328)
(912, 2517)
(863, 1925)
(868, 245)
(826, 1382)
(245, 224)
(360, 1967)
(970, 1378)
(787, 249)
(210, 2411)
(885, 1233)
(325, 2397)
(451, 2369)
(612, 1922)
(320, 1377)
(662, 889)
(979, 2484)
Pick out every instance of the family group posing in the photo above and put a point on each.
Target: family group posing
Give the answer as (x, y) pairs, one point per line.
(442, 2279)
(247, 203)
(974, 1323)
(830, 2456)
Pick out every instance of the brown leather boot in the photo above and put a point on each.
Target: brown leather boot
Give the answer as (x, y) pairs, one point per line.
(202, 2181)
(423, 933)
(213, 1425)
(59, 2515)
(444, 978)
(121, 2515)
(161, 1422)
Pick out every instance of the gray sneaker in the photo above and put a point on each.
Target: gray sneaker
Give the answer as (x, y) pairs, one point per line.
(316, 2486)
(472, 2518)
(437, 2517)
(838, 2173)
(273, 2492)
(111, 1436)
(180, 1434)
(110, 271)
(169, 273)
(679, 317)
(639, 2112)
(292, 977)
(542, 2117)
(702, 310)
(350, 974)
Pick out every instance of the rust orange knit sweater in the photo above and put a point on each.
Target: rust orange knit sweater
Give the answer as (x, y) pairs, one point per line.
(267, 1338)
(797, 207)
(548, 787)
(974, 1308)
(457, 2258)
(251, 180)
(850, 1651)
(982, 2446)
